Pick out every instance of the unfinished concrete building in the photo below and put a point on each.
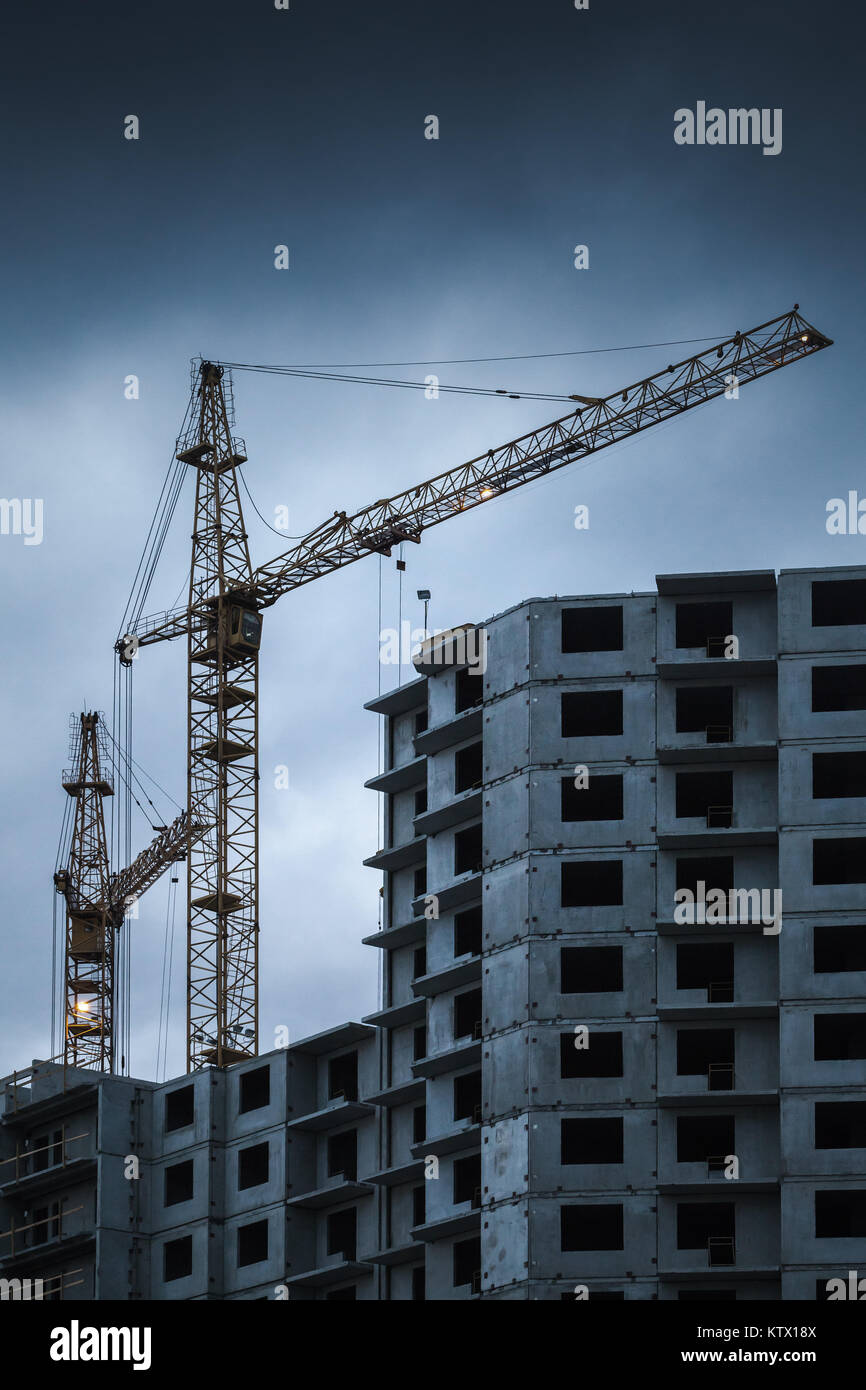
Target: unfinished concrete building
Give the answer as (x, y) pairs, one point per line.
(609, 1060)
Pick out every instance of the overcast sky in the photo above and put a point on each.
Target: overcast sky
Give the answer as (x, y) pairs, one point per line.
(305, 127)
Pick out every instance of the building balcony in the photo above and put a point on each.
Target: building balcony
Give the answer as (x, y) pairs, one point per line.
(462, 972)
(398, 856)
(338, 1112)
(724, 1010)
(410, 1171)
(467, 805)
(403, 1093)
(718, 744)
(461, 1054)
(466, 889)
(461, 1223)
(400, 779)
(340, 1190)
(406, 934)
(461, 726)
(327, 1275)
(466, 1137)
(28, 1186)
(398, 1015)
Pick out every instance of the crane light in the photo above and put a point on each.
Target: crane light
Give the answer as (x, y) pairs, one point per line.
(486, 492)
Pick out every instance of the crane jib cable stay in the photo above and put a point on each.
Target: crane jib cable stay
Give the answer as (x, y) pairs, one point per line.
(222, 625)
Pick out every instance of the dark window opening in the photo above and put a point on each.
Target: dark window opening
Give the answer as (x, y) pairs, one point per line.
(701, 1138)
(467, 850)
(840, 1214)
(838, 949)
(468, 768)
(421, 801)
(704, 625)
(709, 966)
(467, 1097)
(467, 1180)
(419, 1290)
(421, 721)
(342, 1233)
(255, 1089)
(419, 883)
(716, 871)
(179, 1183)
(419, 1205)
(601, 799)
(838, 774)
(467, 932)
(839, 1037)
(343, 1077)
(469, 689)
(177, 1258)
(467, 1014)
(838, 688)
(707, 1295)
(707, 1226)
(591, 1141)
(602, 1056)
(419, 962)
(591, 713)
(348, 1295)
(706, 710)
(467, 1263)
(839, 860)
(253, 1166)
(252, 1243)
(591, 883)
(707, 1052)
(343, 1155)
(592, 629)
(840, 1124)
(708, 796)
(419, 1124)
(179, 1108)
(590, 969)
(838, 602)
(419, 1043)
(591, 1227)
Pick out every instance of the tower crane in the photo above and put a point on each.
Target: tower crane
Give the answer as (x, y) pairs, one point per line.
(222, 624)
(97, 899)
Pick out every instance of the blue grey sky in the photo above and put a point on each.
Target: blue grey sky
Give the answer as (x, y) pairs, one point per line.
(305, 127)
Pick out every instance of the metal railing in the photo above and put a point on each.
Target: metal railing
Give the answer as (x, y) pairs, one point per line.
(22, 1156)
(54, 1219)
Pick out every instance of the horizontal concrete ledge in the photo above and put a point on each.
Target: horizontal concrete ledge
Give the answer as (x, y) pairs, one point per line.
(398, 1014)
(402, 1094)
(723, 1274)
(720, 753)
(718, 839)
(63, 1103)
(343, 1035)
(717, 1100)
(62, 1175)
(713, 666)
(49, 1252)
(455, 895)
(400, 779)
(764, 1009)
(402, 699)
(398, 856)
(468, 1138)
(329, 1274)
(396, 1176)
(721, 582)
(322, 1197)
(702, 929)
(464, 725)
(466, 806)
(406, 934)
(462, 973)
(450, 1226)
(340, 1113)
(397, 1255)
(453, 1059)
(712, 1185)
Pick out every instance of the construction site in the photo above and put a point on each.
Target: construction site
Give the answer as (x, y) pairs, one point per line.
(618, 1049)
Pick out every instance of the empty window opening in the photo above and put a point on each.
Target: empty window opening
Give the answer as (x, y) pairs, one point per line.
(715, 871)
(838, 774)
(253, 1166)
(591, 1141)
(419, 1205)
(600, 800)
(343, 1155)
(590, 969)
(252, 1243)
(838, 688)
(419, 1290)
(839, 861)
(467, 932)
(467, 850)
(419, 962)
(467, 1014)
(707, 1052)
(840, 1214)
(838, 602)
(421, 722)
(706, 796)
(255, 1089)
(419, 1043)
(342, 1233)
(421, 801)
(591, 1227)
(469, 689)
(839, 1037)
(838, 949)
(179, 1108)
(419, 882)
(347, 1295)
(591, 883)
(343, 1077)
(603, 1056)
(704, 625)
(840, 1124)
(467, 1180)
(707, 1226)
(419, 1124)
(591, 713)
(705, 1138)
(179, 1183)
(707, 966)
(467, 1097)
(467, 1263)
(707, 710)
(468, 769)
(592, 629)
(177, 1259)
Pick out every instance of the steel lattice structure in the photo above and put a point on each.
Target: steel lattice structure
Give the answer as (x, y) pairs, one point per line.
(223, 910)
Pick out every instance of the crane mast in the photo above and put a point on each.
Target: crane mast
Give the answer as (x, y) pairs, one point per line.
(222, 624)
